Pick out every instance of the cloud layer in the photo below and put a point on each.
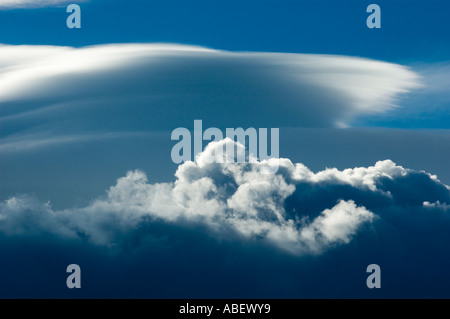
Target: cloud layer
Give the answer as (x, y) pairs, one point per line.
(13, 4)
(296, 210)
(53, 91)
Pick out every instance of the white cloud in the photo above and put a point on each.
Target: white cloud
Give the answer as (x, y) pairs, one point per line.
(360, 176)
(10, 4)
(35, 141)
(437, 204)
(233, 201)
(45, 88)
(336, 225)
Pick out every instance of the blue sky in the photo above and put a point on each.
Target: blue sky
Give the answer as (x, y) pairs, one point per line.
(86, 175)
(411, 31)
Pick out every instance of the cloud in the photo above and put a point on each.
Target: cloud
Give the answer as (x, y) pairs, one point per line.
(34, 141)
(295, 210)
(436, 204)
(217, 230)
(426, 107)
(147, 87)
(13, 4)
(229, 231)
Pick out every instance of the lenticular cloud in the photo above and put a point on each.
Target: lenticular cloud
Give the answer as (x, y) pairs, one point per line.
(295, 210)
(142, 87)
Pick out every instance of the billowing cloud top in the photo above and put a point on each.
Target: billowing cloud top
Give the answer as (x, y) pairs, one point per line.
(135, 87)
(295, 209)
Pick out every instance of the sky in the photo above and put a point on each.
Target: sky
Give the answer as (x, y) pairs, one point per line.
(86, 174)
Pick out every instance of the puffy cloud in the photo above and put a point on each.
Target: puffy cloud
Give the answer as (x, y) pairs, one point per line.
(296, 210)
(337, 224)
(64, 91)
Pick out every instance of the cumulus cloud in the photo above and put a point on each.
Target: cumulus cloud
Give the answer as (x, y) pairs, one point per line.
(52, 90)
(296, 210)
